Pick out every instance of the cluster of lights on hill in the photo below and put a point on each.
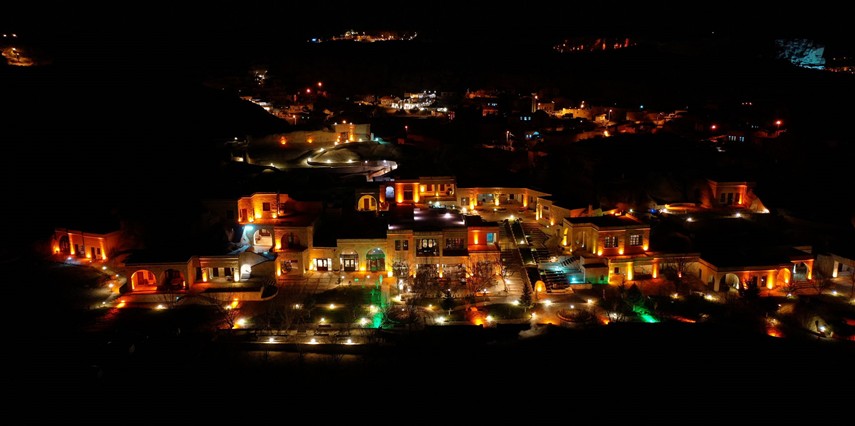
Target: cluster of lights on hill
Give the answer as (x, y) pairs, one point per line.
(370, 37)
(14, 54)
(593, 45)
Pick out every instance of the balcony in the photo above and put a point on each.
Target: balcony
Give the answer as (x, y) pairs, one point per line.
(428, 252)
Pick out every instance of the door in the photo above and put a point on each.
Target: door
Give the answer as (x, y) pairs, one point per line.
(322, 265)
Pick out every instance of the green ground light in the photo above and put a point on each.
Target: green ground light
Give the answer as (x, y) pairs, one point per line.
(645, 315)
(377, 300)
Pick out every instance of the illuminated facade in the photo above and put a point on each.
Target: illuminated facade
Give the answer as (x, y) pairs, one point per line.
(281, 227)
(739, 269)
(733, 195)
(425, 221)
(92, 246)
(443, 191)
(612, 249)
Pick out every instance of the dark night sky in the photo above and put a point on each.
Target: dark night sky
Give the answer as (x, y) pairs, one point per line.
(474, 20)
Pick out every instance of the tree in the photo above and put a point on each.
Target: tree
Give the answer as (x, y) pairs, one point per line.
(425, 282)
(749, 289)
(286, 309)
(790, 287)
(402, 314)
(675, 269)
(448, 302)
(614, 300)
(633, 296)
(454, 279)
(228, 311)
(526, 299)
(482, 277)
(506, 273)
(820, 282)
(168, 296)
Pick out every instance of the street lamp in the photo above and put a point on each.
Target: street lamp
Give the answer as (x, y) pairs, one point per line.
(777, 127)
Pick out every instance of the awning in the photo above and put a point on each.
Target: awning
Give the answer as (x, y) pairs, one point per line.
(375, 256)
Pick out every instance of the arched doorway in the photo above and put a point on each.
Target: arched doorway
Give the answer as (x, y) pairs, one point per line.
(173, 279)
(376, 260)
(64, 245)
(262, 238)
(729, 280)
(143, 280)
(290, 240)
(367, 203)
(783, 277)
(800, 272)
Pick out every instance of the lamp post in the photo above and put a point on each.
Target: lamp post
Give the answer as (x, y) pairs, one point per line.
(777, 128)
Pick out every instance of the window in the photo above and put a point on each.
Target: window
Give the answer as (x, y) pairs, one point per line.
(491, 237)
(454, 244)
(265, 207)
(397, 245)
(406, 244)
(427, 247)
(729, 198)
(610, 242)
(722, 197)
(635, 240)
(617, 269)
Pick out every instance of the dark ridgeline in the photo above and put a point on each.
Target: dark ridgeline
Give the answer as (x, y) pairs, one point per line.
(128, 118)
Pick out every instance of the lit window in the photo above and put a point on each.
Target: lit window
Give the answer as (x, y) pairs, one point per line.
(610, 242)
(635, 240)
